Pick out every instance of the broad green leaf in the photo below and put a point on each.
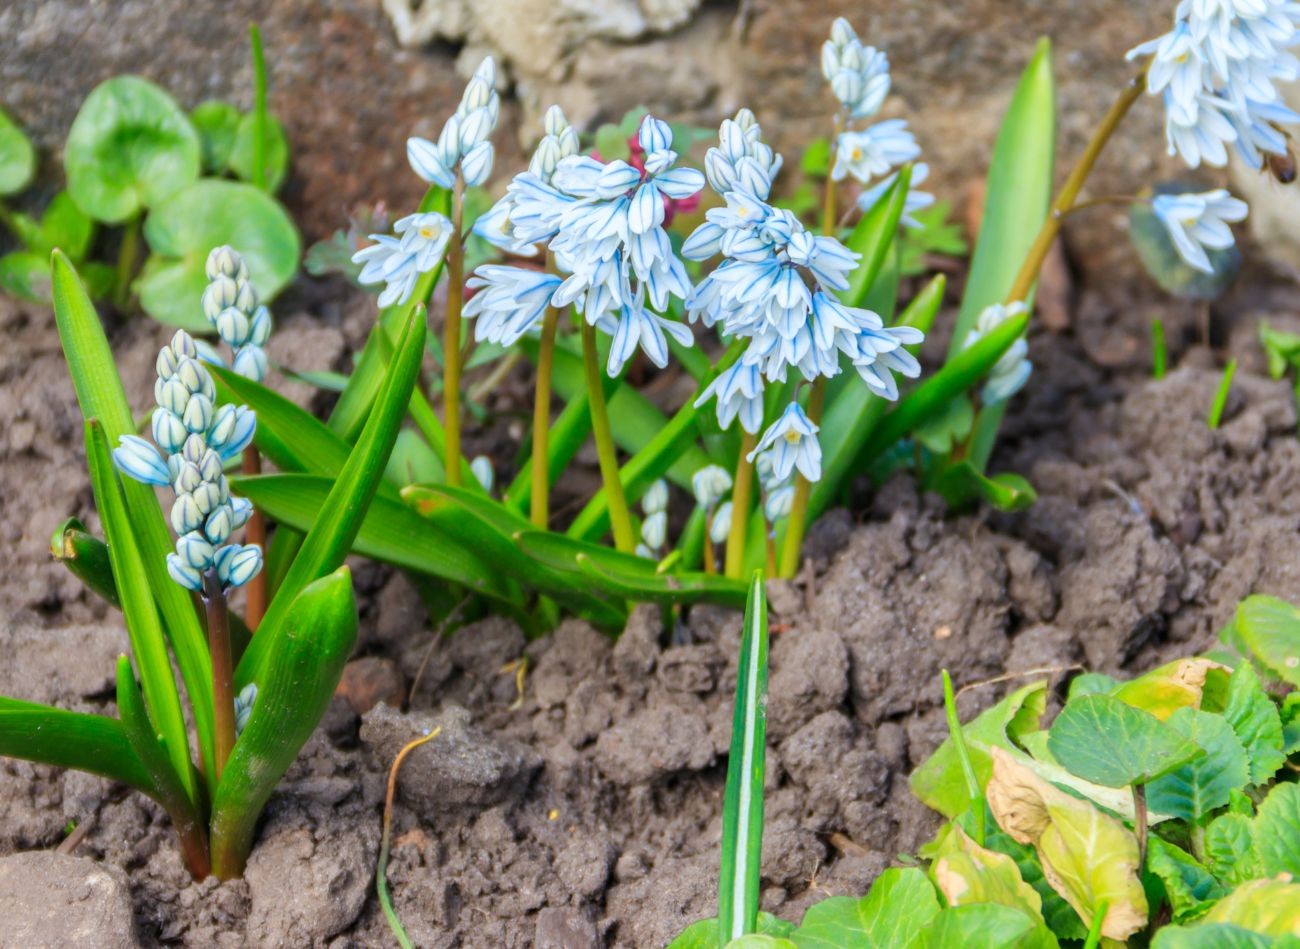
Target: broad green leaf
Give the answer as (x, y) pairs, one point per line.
(413, 461)
(1209, 936)
(217, 123)
(984, 926)
(1269, 907)
(168, 788)
(1189, 886)
(65, 226)
(1019, 193)
(947, 428)
(742, 802)
(1277, 831)
(1269, 629)
(703, 934)
(1290, 713)
(1165, 690)
(130, 147)
(148, 644)
(304, 658)
(1091, 683)
(939, 783)
(1230, 849)
(182, 230)
(1103, 740)
(25, 275)
(91, 743)
(276, 151)
(962, 484)
(343, 511)
(899, 903)
(17, 157)
(967, 873)
(568, 432)
(1193, 790)
(101, 396)
(1255, 719)
(1088, 857)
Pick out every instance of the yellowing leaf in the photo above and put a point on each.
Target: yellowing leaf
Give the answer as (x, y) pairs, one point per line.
(1165, 690)
(966, 873)
(1271, 907)
(1087, 856)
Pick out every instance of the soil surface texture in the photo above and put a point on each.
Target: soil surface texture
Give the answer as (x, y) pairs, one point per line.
(585, 810)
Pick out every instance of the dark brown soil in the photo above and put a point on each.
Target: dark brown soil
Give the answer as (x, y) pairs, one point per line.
(587, 813)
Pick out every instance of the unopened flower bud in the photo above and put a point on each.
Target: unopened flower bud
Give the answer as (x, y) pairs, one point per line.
(184, 574)
(654, 530)
(226, 261)
(482, 468)
(655, 498)
(186, 515)
(251, 363)
(259, 328)
(219, 294)
(721, 525)
(195, 551)
(233, 326)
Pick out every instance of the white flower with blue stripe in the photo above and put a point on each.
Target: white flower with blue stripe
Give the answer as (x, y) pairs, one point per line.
(416, 246)
(462, 146)
(858, 75)
(1196, 222)
(230, 303)
(1010, 373)
(791, 443)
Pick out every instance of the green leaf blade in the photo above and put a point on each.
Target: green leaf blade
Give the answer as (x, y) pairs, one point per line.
(1103, 740)
(1193, 790)
(91, 743)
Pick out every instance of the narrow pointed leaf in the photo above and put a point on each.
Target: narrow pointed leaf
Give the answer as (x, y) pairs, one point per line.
(305, 654)
(91, 743)
(873, 236)
(86, 556)
(742, 802)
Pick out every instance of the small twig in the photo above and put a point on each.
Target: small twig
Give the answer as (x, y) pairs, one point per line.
(70, 842)
(1020, 674)
(433, 643)
(381, 872)
(1140, 821)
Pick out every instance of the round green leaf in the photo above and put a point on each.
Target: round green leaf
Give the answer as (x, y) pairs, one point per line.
(1277, 831)
(1269, 629)
(26, 276)
(1195, 789)
(184, 228)
(1103, 740)
(130, 147)
(276, 151)
(17, 157)
(217, 124)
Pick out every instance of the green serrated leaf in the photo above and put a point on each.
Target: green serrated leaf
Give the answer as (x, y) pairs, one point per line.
(1277, 831)
(1166, 266)
(1268, 907)
(1269, 629)
(742, 801)
(182, 229)
(703, 934)
(130, 147)
(983, 926)
(1193, 790)
(17, 157)
(1230, 849)
(1255, 719)
(1103, 740)
(888, 917)
(1189, 886)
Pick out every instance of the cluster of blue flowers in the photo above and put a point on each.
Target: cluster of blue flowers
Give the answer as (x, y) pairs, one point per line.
(463, 150)
(1216, 70)
(231, 306)
(603, 224)
(776, 288)
(859, 78)
(196, 440)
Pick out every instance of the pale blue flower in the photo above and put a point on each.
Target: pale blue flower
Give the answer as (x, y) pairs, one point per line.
(720, 526)
(509, 303)
(655, 498)
(739, 391)
(710, 485)
(741, 161)
(1199, 221)
(643, 328)
(792, 441)
(418, 246)
(481, 466)
(858, 75)
(778, 504)
(654, 530)
(463, 143)
(1010, 373)
(874, 151)
(915, 200)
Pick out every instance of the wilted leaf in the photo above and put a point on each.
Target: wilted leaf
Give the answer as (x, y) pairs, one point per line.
(1271, 907)
(1193, 790)
(1269, 629)
(939, 782)
(184, 228)
(1230, 849)
(899, 903)
(1255, 719)
(1163, 691)
(965, 873)
(1104, 740)
(17, 157)
(1277, 831)
(1087, 857)
(1189, 886)
(129, 148)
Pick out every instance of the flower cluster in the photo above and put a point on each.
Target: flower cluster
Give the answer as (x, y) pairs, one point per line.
(1010, 373)
(603, 222)
(230, 304)
(776, 288)
(859, 78)
(654, 529)
(462, 148)
(397, 261)
(196, 440)
(1195, 222)
(1216, 71)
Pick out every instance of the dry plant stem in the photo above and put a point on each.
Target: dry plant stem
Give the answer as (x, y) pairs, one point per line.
(619, 518)
(539, 506)
(223, 686)
(381, 872)
(1070, 190)
(1140, 821)
(451, 337)
(797, 523)
(255, 533)
(741, 495)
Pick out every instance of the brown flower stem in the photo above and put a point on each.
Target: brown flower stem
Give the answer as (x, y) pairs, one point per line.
(223, 685)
